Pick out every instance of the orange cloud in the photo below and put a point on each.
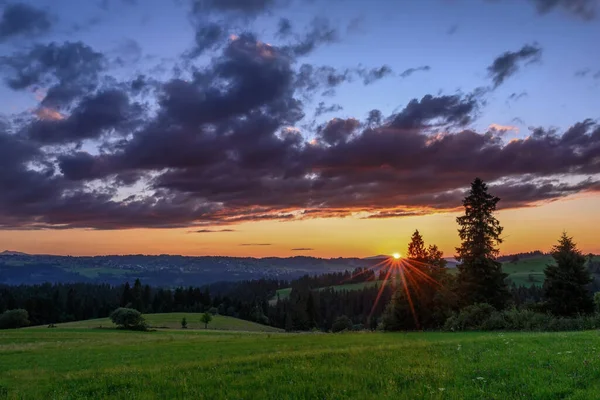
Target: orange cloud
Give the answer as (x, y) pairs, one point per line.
(48, 114)
(504, 128)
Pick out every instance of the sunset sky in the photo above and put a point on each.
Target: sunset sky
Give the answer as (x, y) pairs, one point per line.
(330, 128)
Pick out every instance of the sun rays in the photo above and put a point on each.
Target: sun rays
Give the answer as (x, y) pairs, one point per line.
(410, 273)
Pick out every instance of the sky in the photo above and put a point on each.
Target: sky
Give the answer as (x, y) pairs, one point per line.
(330, 128)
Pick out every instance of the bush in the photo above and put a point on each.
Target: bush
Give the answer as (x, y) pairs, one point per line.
(128, 318)
(341, 324)
(470, 318)
(520, 320)
(13, 319)
(213, 310)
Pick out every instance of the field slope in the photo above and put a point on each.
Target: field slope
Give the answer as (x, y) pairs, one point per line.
(96, 363)
(173, 321)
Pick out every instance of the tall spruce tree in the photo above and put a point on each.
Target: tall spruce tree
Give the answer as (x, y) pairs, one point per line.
(480, 276)
(416, 248)
(565, 285)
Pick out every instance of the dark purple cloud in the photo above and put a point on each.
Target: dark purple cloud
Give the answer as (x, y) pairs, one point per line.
(21, 19)
(509, 62)
(408, 72)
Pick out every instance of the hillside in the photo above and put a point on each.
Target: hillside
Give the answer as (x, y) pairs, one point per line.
(94, 364)
(526, 271)
(173, 321)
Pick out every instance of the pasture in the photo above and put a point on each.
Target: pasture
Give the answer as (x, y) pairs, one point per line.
(81, 363)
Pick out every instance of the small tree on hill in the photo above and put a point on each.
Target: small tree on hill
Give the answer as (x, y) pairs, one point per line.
(183, 323)
(128, 318)
(13, 319)
(480, 276)
(206, 318)
(565, 285)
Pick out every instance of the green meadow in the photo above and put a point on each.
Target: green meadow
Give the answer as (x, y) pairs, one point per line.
(77, 361)
(173, 321)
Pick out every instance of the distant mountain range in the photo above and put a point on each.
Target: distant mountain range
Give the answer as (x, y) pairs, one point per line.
(12, 253)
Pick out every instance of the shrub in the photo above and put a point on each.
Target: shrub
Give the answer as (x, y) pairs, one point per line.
(213, 310)
(495, 322)
(342, 323)
(13, 319)
(522, 320)
(183, 323)
(470, 318)
(128, 318)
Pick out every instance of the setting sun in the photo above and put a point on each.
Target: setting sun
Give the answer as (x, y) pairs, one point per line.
(396, 255)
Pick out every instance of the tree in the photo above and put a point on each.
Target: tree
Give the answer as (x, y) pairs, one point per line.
(206, 318)
(341, 323)
(480, 276)
(13, 319)
(128, 318)
(565, 285)
(183, 323)
(416, 248)
(126, 296)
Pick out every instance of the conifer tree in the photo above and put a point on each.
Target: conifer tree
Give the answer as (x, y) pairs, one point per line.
(565, 285)
(480, 276)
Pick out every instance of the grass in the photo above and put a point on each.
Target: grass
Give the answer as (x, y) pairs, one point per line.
(80, 363)
(173, 321)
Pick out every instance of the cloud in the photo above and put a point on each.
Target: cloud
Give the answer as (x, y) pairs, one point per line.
(21, 19)
(302, 249)
(320, 32)
(226, 142)
(436, 111)
(584, 9)
(284, 28)
(106, 110)
(214, 231)
(256, 244)
(517, 96)
(509, 62)
(582, 72)
(66, 70)
(408, 72)
(503, 128)
(323, 109)
(246, 7)
(372, 75)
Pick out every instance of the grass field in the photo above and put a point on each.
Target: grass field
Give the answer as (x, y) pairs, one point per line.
(78, 363)
(173, 321)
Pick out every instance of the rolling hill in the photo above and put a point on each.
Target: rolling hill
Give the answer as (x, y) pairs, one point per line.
(173, 321)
